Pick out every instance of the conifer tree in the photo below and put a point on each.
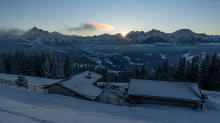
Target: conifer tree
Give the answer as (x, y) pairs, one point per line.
(105, 75)
(21, 81)
(37, 64)
(17, 62)
(30, 68)
(69, 66)
(143, 73)
(180, 75)
(61, 70)
(24, 62)
(165, 71)
(214, 71)
(205, 67)
(9, 62)
(45, 65)
(2, 67)
(55, 70)
(136, 73)
(158, 75)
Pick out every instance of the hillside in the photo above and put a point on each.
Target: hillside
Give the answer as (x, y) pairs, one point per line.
(18, 105)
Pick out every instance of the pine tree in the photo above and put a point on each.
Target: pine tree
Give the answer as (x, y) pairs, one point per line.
(55, 70)
(205, 67)
(105, 75)
(9, 62)
(193, 75)
(2, 67)
(143, 74)
(180, 75)
(50, 59)
(24, 62)
(30, 66)
(69, 66)
(45, 65)
(61, 70)
(17, 62)
(136, 73)
(21, 81)
(214, 71)
(37, 64)
(165, 71)
(158, 75)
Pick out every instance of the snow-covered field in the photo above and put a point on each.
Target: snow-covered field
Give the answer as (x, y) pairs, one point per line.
(21, 106)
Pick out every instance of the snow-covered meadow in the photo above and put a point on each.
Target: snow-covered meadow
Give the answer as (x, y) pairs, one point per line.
(18, 105)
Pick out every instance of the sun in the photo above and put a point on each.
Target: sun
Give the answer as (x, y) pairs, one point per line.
(123, 33)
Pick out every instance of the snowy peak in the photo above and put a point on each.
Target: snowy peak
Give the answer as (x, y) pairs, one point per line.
(35, 31)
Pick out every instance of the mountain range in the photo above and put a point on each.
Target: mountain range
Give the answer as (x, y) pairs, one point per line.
(180, 37)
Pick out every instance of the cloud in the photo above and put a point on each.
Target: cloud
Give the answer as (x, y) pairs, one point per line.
(11, 30)
(209, 4)
(91, 26)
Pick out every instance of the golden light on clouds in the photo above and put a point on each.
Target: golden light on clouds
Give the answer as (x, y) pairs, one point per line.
(98, 26)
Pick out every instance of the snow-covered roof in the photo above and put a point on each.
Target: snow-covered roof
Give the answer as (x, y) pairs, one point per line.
(83, 85)
(180, 90)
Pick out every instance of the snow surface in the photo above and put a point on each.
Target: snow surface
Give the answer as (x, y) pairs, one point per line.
(32, 80)
(180, 90)
(21, 106)
(162, 56)
(83, 85)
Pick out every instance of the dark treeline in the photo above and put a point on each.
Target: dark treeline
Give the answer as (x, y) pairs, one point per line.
(205, 72)
(48, 66)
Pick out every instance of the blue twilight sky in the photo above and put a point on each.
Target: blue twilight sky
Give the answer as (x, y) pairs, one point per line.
(95, 17)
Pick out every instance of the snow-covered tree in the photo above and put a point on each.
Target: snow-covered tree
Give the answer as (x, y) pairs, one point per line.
(21, 81)
(69, 66)
(45, 65)
(8, 62)
(61, 70)
(55, 70)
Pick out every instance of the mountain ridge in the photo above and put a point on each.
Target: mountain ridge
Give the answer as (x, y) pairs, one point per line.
(181, 36)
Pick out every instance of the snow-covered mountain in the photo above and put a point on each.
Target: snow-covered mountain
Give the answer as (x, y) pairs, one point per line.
(182, 36)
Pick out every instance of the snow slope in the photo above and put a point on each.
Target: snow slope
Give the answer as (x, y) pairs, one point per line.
(17, 105)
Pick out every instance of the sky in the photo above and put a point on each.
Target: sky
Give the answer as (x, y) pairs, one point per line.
(95, 17)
